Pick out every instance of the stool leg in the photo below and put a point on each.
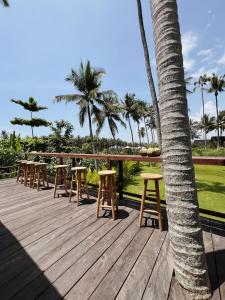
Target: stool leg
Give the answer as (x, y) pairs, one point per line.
(71, 187)
(78, 187)
(158, 205)
(86, 185)
(143, 202)
(112, 196)
(64, 180)
(38, 179)
(46, 176)
(56, 178)
(99, 196)
(18, 173)
(114, 193)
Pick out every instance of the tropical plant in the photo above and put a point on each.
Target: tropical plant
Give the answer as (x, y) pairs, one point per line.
(149, 72)
(129, 111)
(216, 86)
(32, 106)
(201, 84)
(87, 81)
(185, 230)
(194, 129)
(111, 113)
(150, 122)
(61, 136)
(5, 2)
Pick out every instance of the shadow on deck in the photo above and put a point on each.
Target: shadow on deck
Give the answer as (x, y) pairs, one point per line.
(52, 249)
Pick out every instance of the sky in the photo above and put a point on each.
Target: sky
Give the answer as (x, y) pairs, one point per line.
(42, 40)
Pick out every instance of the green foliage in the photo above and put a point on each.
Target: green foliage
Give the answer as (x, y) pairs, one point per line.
(130, 168)
(208, 152)
(34, 122)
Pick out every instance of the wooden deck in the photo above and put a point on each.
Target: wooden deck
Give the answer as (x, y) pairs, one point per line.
(52, 249)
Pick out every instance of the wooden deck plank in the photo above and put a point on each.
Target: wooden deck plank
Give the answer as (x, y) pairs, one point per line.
(159, 283)
(63, 259)
(29, 273)
(114, 279)
(135, 284)
(65, 282)
(97, 272)
(219, 252)
(42, 247)
(37, 233)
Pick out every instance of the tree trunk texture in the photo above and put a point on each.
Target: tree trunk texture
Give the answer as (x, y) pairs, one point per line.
(217, 123)
(182, 204)
(149, 73)
(203, 115)
(146, 131)
(132, 137)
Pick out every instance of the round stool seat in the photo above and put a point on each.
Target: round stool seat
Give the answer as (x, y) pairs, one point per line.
(78, 169)
(151, 176)
(30, 162)
(106, 172)
(60, 166)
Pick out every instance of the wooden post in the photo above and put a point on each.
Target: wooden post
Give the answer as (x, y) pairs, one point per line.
(120, 180)
(25, 156)
(109, 164)
(73, 162)
(61, 172)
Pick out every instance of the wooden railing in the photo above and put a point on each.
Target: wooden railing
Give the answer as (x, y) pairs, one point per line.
(201, 160)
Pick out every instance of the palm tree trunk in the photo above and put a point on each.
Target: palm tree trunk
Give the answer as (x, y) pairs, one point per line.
(32, 129)
(203, 114)
(132, 137)
(149, 72)
(139, 134)
(182, 204)
(217, 123)
(146, 131)
(153, 140)
(90, 129)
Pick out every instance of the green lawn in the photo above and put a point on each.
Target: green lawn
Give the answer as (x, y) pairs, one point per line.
(210, 183)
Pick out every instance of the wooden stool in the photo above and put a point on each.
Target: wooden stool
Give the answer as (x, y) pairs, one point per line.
(155, 178)
(21, 170)
(40, 174)
(79, 175)
(29, 173)
(107, 192)
(60, 178)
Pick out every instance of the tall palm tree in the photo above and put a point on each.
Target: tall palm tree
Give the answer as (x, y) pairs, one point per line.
(5, 3)
(185, 230)
(128, 111)
(149, 71)
(145, 112)
(222, 121)
(208, 123)
(216, 86)
(111, 112)
(87, 81)
(200, 84)
(194, 128)
(150, 122)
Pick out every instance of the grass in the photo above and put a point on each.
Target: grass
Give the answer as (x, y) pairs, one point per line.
(210, 185)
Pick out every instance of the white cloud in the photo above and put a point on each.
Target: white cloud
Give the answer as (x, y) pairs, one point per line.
(206, 54)
(203, 71)
(221, 61)
(189, 42)
(210, 108)
(209, 11)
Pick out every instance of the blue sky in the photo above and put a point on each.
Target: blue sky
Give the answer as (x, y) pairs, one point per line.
(42, 40)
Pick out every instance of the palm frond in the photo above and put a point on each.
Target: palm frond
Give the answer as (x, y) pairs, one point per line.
(67, 98)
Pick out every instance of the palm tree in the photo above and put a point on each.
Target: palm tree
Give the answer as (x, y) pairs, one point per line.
(150, 122)
(194, 129)
(110, 112)
(32, 106)
(87, 81)
(222, 121)
(5, 3)
(128, 111)
(216, 86)
(145, 111)
(149, 72)
(185, 230)
(208, 124)
(201, 83)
